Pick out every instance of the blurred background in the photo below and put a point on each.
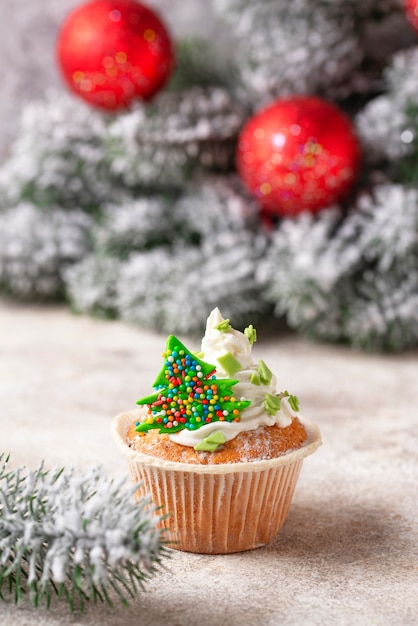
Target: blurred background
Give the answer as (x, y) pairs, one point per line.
(272, 171)
(28, 36)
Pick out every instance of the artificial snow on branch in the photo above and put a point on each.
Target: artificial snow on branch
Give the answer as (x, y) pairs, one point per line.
(58, 157)
(193, 279)
(352, 279)
(388, 125)
(304, 46)
(162, 144)
(200, 251)
(139, 215)
(78, 537)
(37, 246)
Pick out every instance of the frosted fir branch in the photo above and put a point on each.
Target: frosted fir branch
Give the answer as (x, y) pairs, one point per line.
(201, 63)
(388, 125)
(311, 46)
(124, 228)
(207, 206)
(212, 205)
(135, 224)
(285, 48)
(36, 248)
(202, 249)
(193, 280)
(79, 537)
(386, 226)
(299, 274)
(380, 126)
(384, 313)
(91, 286)
(352, 280)
(58, 157)
(162, 144)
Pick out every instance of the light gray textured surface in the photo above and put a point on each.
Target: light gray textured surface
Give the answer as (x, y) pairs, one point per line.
(28, 32)
(347, 553)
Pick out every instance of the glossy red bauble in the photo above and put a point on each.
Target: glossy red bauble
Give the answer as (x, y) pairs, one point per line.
(112, 52)
(411, 9)
(298, 154)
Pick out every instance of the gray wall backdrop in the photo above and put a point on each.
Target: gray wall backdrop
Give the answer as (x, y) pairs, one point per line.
(28, 31)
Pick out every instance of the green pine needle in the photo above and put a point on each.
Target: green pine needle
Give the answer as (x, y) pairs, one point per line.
(77, 538)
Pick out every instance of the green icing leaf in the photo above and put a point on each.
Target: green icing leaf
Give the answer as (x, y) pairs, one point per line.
(255, 379)
(265, 373)
(294, 402)
(216, 437)
(223, 327)
(251, 334)
(271, 404)
(212, 442)
(229, 363)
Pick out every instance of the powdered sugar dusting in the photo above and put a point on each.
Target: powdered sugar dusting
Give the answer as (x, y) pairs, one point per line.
(263, 443)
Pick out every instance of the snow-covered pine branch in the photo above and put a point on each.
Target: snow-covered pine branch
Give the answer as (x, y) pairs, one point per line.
(161, 145)
(81, 537)
(351, 280)
(388, 124)
(310, 46)
(155, 259)
(58, 157)
(37, 246)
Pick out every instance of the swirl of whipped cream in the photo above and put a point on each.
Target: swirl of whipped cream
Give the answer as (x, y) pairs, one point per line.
(215, 344)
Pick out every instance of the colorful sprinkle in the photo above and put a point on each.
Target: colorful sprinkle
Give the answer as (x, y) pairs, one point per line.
(175, 406)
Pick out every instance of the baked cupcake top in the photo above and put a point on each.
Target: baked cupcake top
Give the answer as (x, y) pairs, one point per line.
(203, 400)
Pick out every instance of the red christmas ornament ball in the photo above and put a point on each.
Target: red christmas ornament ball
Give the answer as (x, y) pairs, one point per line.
(112, 52)
(411, 9)
(298, 154)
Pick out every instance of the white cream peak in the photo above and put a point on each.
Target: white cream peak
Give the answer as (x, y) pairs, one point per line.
(215, 344)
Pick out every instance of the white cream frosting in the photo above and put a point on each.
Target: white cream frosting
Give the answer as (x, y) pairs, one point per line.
(215, 344)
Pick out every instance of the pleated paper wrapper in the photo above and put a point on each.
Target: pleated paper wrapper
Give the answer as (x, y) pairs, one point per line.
(218, 509)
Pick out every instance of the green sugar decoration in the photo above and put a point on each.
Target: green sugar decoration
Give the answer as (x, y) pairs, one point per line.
(188, 395)
(255, 379)
(265, 373)
(212, 442)
(251, 334)
(229, 363)
(224, 326)
(294, 402)
(271, 404)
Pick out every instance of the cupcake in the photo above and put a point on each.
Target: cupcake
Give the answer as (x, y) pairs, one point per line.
(216, 445)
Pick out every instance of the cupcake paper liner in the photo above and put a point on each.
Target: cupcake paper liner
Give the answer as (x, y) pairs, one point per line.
(218, 509)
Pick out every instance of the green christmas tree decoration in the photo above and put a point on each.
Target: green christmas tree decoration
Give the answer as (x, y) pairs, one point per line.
(188, 394)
